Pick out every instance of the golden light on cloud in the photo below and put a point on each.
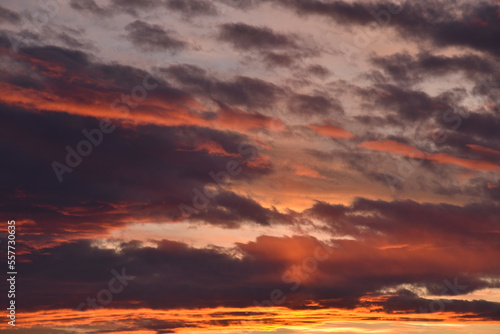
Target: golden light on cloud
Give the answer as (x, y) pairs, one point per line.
(217, 320)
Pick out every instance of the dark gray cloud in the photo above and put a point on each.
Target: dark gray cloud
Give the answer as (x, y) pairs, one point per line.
(240, 4)
(319, 71)
(341, 11)
(453, 23)
(483, 128)
(152, 37)
(210, 277)
(460, 24)
(131, 7)
(275, 59)
(71, 41)
(240, 91)
(230, 210)
(275, 49)
(111, 173)
(319, 104)
(187, 8)
(409, 70)
(408, 302)
(408, 103)
(245, 37)
(192, 7)
(134, 8)
(90, 6)
(6, 15)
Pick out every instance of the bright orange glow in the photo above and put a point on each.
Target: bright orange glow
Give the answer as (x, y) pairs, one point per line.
(224, 319)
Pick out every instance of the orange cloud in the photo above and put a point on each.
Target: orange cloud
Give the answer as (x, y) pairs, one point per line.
(483, 149)
(289, 249)
(392, 146)
(301, 170)
(331, 131)
(211, 148)
(152, 110)
(492, 185)
(260, 162)
(89, 93)
(439, 158)
(236, 118)
(217, 320)
(479, 165)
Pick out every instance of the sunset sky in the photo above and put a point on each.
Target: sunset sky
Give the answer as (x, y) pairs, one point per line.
(251, 166)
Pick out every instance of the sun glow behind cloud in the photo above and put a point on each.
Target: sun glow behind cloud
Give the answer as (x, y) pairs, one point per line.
(250, 320)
